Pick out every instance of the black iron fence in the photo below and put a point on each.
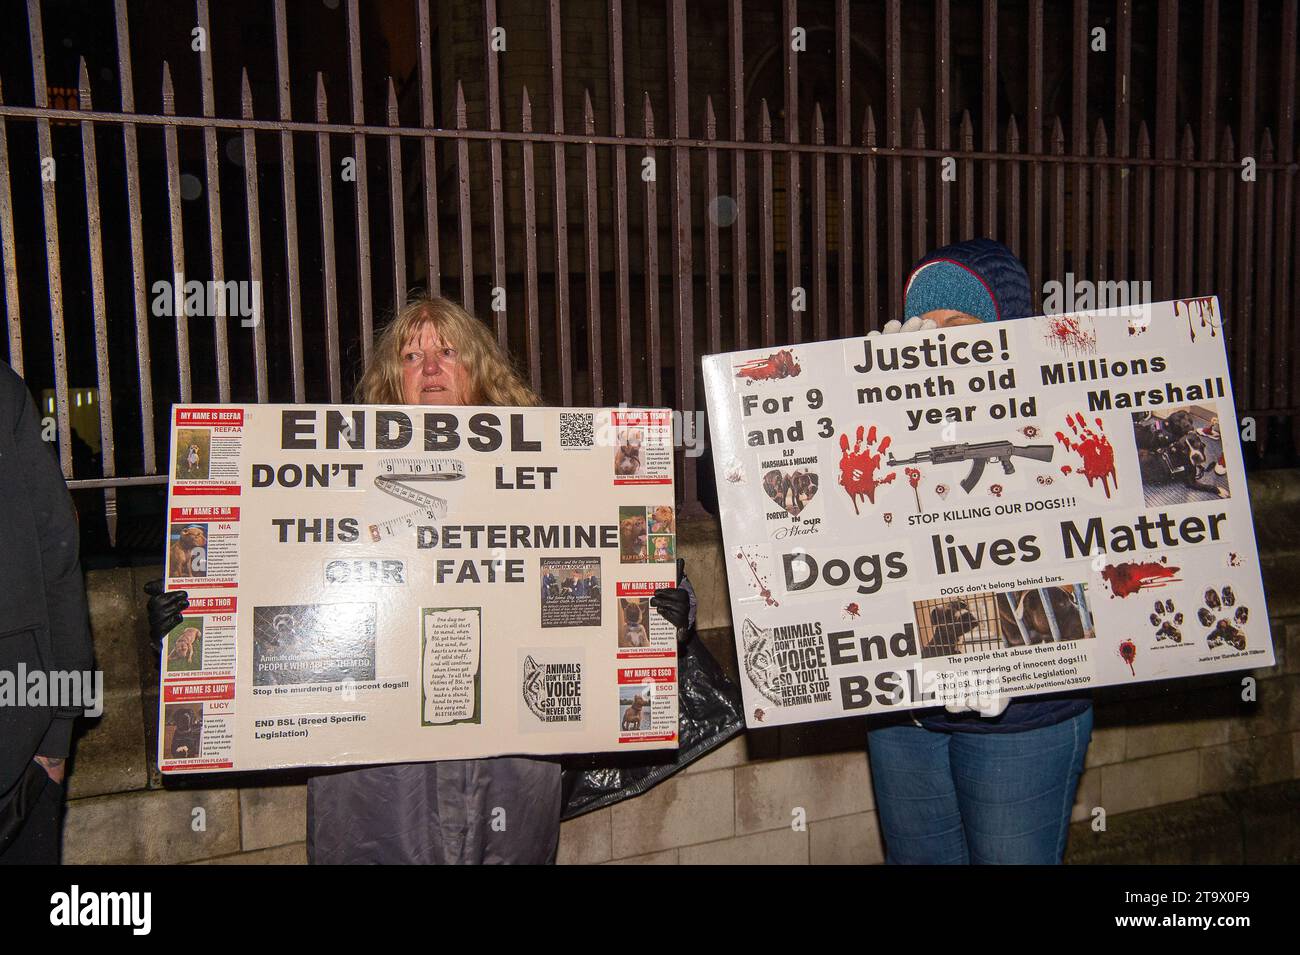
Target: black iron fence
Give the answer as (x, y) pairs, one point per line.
(609, 258)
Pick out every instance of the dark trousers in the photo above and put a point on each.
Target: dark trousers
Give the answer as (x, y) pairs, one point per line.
(39, 840)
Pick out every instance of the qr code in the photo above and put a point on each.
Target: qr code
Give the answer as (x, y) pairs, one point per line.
(577, 429)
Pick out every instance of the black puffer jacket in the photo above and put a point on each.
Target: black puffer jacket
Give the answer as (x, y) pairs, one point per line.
(43, 622)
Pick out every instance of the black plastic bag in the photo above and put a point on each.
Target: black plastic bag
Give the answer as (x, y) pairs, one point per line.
(709, 713)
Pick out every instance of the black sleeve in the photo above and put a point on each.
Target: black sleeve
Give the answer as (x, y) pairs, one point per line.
(58, 542)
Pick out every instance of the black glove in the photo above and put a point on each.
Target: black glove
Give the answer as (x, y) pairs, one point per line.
(164, 611)
(674, 603)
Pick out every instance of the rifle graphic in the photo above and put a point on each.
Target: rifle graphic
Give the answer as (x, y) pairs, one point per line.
(979, 455)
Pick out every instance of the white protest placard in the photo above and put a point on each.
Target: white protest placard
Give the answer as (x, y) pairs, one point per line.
(1026, 507)
(374, 584)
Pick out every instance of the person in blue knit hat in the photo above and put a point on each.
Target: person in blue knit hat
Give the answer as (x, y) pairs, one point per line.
(990, 780)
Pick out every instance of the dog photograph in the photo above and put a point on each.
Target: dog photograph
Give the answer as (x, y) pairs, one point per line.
(193, 449)
(313, 643)
(627, 452)
(1180, 455)
(1046, 615)
(187, 551)
(791, 490)
(633, 622)
(957, 625)
(634, 705)
(632, 535)
(661, 549)
(987, 620)
(661, 519)
(184, 730)
(184, 646)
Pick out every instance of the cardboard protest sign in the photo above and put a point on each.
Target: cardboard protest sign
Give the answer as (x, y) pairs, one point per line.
(1025, 507)
(392, 584)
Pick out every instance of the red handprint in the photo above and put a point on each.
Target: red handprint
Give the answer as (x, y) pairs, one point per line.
(858, 467)
(1094, 448)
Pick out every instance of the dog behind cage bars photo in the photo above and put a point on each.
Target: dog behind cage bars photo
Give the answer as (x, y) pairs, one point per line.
(992, 621)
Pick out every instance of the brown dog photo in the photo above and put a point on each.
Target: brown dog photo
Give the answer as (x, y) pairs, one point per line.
(632, 535)
(185, 646)
(187, 553)
(988, 620)
(634, 703)
(633, 621)
(193, 448)
(627, 457)
(661, 519)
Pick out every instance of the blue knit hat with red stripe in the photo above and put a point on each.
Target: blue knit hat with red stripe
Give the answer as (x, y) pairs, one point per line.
(980, 277)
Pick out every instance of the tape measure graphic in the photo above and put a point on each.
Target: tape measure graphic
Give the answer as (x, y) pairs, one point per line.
(396, 477)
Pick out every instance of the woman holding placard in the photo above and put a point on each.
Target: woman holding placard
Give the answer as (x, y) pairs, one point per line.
(501, 810)
(989, 780)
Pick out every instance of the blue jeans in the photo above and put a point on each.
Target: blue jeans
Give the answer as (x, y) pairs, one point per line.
(983, 798)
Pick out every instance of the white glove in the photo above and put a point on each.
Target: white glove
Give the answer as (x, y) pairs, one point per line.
(992, 705)
(914, 324)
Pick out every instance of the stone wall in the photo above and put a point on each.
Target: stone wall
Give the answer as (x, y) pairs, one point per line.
(1184, 770)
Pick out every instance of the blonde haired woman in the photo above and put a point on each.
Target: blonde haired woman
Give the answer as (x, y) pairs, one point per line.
(476, 370)
(460, 810)
(453, 811)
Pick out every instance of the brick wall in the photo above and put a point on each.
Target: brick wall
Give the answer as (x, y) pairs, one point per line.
(784, 795)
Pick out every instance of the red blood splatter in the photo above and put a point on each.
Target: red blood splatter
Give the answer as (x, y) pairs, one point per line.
(1203, 307)
(1094, 448)
(1067, 470)
(858, 467)
(1067, 333)
(913, 476)
(1128, 578)
(1128, 651)
(853, 610)
(781, 364)
(763, 590)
